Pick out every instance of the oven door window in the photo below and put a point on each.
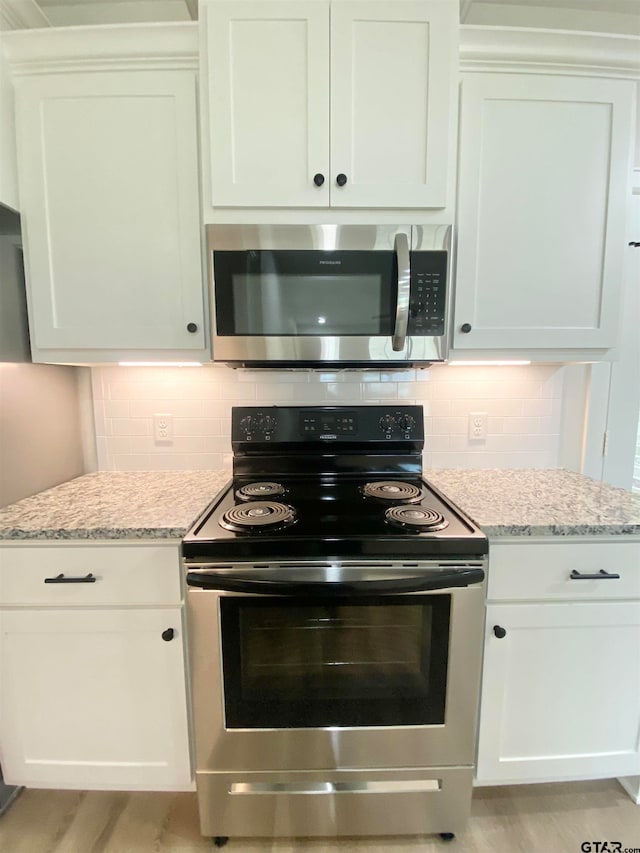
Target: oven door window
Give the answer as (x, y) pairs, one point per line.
(335, 662)
(294, 293)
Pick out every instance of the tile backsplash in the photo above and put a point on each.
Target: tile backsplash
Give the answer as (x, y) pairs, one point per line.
(523, 407)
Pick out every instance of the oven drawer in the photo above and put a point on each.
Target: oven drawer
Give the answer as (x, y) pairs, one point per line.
(543, 570)
(347, 802)
(124, 574)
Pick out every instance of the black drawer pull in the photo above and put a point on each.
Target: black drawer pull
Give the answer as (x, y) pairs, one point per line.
(597, 576)
(499, 631)
(62, 579)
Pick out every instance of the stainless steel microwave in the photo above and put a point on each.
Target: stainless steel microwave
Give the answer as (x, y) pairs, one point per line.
(329, 295)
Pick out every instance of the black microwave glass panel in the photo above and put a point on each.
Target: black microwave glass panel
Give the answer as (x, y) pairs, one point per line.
(305, 293)
(301, 663)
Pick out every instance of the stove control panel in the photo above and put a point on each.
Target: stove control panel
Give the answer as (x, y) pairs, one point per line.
(259, 425)
(398, 423)
(352, 425)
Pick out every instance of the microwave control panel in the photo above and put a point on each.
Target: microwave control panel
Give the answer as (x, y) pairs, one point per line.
(428, 296)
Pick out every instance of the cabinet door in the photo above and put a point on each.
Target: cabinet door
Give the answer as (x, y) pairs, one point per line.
(543, 176)
(109, 191)
(393, 87)
(560, 692)
(268, 99)
(8, 176)
(93, 699)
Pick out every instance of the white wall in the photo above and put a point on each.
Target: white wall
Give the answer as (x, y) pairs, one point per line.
(523, 405)
(41, 442)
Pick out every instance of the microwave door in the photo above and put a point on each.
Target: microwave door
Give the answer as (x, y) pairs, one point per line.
(401, 248)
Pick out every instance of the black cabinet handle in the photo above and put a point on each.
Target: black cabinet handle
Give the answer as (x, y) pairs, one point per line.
(62, 579)
(168, 635)
(596, 576)
(192, 327)
(318, 179)
(341, 180)
(634, 244)
(466, 328)
(499, 631)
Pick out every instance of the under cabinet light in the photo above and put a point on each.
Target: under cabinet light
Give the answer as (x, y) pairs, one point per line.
(486, 363)
(160, 364)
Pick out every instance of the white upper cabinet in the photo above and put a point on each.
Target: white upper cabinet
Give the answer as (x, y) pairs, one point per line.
(543, 184)
(313, 103)
(109, 201)
(8, 168)
(268, 93)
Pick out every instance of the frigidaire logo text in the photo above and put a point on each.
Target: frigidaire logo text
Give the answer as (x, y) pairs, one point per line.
(332, 263)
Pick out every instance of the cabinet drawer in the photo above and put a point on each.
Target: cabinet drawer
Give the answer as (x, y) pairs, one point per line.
(542, 570)
(125, 574)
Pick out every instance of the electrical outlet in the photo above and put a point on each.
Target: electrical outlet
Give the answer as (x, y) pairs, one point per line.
(478, 426)
(163, 429)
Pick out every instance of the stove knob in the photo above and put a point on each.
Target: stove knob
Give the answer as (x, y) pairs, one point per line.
(388, 423)
(247, 425)
(406, 423)
(268, 423)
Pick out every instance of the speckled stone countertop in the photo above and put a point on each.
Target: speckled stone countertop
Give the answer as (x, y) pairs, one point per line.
(148, 505)
(115, 505)
(539, 502)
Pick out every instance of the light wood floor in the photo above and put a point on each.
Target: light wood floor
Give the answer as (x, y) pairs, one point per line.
(550, 818)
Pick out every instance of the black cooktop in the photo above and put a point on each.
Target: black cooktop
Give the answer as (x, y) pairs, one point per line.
(331, 518)
(330, 482)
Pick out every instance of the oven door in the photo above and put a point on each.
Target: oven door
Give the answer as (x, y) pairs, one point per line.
(309, 294)
(358, 679)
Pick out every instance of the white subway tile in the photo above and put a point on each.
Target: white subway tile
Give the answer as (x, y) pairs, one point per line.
(348, 392)
(408, 375)
(273, 392)
(236, 392)
(523, 404)
(120, 444)
(135, 462)
(103, 454)
(380, 391)
(538, 408)
(450, 460)
(438, 443)
(118, 409)
(216, 408)
(218, 444)
(438, 408)
(177, 407)
(196, 426)
(449, 426)
(130, 426)
(407, 392)
(204, 462)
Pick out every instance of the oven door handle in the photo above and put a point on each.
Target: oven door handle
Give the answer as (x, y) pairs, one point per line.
(292, 583)
(401, 246)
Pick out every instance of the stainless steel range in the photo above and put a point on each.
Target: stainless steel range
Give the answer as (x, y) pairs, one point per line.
(335, 615)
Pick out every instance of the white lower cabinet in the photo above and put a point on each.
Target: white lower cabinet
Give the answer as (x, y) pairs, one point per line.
(561, 679)
(91, 697)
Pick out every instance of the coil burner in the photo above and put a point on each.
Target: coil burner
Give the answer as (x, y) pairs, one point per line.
(258, 515)
(392, 490)
(416, 518)
(260, 490)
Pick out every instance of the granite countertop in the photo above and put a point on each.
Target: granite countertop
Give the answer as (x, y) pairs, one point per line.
(115, 505)
(539, 502)
(164, 504)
